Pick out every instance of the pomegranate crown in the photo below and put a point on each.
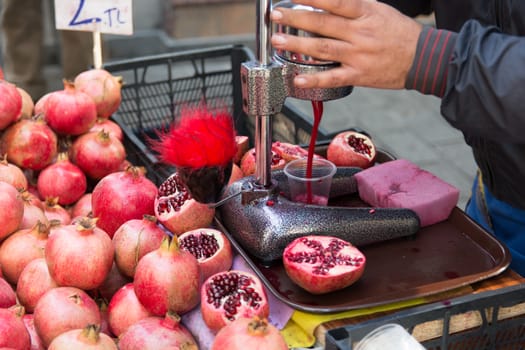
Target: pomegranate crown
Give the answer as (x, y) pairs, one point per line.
(200, 139)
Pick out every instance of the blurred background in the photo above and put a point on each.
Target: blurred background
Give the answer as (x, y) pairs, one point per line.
(405, 123)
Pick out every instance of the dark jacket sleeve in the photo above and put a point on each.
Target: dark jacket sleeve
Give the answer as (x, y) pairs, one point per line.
(485, 93)
(411, 8)
(479, 74)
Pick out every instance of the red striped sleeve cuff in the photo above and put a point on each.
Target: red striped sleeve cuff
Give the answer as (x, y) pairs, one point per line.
(428, 73)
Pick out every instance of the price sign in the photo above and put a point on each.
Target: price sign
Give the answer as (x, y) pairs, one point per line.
(104, 16)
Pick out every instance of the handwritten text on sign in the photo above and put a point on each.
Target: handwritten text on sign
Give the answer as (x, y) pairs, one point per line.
(112, 17)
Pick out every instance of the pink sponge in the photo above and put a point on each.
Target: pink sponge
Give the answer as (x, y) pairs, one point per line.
(402, 184)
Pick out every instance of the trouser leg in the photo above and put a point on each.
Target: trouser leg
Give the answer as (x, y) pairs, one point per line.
(76, 52)
(22, 29)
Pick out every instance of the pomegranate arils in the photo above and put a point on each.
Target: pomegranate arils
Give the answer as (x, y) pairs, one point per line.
(235, 287)
(173, 202)
(322, 264)
(327, 258)
(359, 145)
(201, 246)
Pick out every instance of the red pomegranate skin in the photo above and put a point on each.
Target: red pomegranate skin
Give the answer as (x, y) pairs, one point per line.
(79, 255)
(13, 332)
(168, 279)
(122, 196)
(11, 209)
(63, 180)
(7, 294)
(33, 283)
(62, 309)
(351, 148)
(30, 144)
(153, 333)
(69, 111)
(134, 239)
(98, 154)
(249, 333)
(10, 103)
(125, 309)
(104, 88)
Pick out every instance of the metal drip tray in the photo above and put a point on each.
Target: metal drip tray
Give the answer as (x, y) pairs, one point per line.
(451, 254)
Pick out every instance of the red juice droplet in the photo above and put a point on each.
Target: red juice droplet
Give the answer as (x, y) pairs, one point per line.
(318, 114)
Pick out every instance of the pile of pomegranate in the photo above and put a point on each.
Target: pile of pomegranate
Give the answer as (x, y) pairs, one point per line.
(95, 255)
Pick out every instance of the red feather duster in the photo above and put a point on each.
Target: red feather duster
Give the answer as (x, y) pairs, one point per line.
(200, 139)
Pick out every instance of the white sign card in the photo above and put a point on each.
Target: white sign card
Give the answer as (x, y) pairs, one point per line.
(104, 16)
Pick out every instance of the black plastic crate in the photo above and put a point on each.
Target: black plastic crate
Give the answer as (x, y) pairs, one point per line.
(494, 326)
(157, 87)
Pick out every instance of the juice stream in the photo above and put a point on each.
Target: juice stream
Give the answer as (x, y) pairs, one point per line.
(318, 114)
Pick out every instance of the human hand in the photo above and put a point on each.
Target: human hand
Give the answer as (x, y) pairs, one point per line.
(374, 42)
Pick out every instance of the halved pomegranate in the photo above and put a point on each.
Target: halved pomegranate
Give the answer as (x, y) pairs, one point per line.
(289, 151)
(351, 148)
(227, 296)
(210, 247)
(177, 210)
(323, 264)
(248, 162)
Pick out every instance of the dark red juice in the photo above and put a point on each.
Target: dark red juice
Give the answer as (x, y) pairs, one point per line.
(318, 114)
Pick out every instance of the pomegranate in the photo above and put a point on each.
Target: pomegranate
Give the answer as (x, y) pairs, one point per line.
(122, 196)
(109, 126)
(7, 294)
(323, 264)
(11, 209)
(12, 174)
(134, 239)
(33, 211)
(289, 152)
(87, 338)
(10, 103)
(351, 148)
(29, 322)
(98, 154)
(54, 211)
(33, 282)
(210, 247)
(177, 210)
(62, 309)
(153, 333)
(104, 88)
(13, 332)
(79, 255)
(232, 294)
(251, 333)
(27, 104)
(29, 143)
(248, 162)
(40, 105)
(125, 309)
(243, 144)
(21, 248)
(167, 279)
(82, 207)
(70, 111)
(63, 180)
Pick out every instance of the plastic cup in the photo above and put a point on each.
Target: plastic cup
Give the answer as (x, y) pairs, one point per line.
(389, 336)
(314, 189)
